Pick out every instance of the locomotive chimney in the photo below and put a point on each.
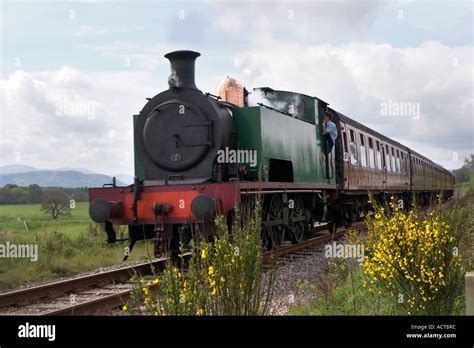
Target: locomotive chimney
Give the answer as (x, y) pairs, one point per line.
(182, 69)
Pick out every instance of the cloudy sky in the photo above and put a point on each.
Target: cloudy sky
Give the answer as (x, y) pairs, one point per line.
(74, 73)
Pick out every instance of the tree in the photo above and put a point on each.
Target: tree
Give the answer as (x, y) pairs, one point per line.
(464, 173)
(36, 193)
(56, 203)
(81, 195)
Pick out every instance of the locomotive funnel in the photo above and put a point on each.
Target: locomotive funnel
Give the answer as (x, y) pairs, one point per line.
(182, 69)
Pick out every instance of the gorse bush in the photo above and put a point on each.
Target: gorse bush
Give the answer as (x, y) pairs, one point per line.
(222, 277)
(414, 257)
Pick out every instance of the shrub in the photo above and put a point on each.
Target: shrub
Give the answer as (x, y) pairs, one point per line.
(223, 277)
(414, 257)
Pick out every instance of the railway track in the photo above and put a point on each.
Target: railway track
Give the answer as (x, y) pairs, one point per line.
(110, 289)
(305, 246)
(77, 296)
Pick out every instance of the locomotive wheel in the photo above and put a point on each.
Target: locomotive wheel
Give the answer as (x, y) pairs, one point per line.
(348, 216)
(274, 222)
(332, 227)
(332, 220)
(248, 213)
(298, 219)
(247, 208)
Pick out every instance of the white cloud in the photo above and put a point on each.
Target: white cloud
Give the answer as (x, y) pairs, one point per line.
(356, 78)
(317, 21)
(318, 48)
(72, 118)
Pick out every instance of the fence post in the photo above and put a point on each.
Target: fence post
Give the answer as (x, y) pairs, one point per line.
(469, 293)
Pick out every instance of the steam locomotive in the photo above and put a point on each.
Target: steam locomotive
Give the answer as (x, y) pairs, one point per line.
(198, 155)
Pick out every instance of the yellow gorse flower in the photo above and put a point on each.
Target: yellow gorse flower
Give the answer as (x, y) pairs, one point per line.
(406, 253)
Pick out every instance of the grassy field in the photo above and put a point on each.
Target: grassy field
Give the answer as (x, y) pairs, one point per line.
(67, 246)
(28, 217)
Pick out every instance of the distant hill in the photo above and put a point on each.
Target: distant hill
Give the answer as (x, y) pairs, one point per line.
(83, 170)
(21, 168)
(16, 168)
(125, 178)
(56, 178)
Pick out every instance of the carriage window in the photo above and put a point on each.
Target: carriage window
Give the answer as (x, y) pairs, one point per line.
(378, 160)
(387, 158)
(394, 168)
(344, 138)
(363, 156)
(371, 154)
(371, 158)
(353, 153)
(397, 161)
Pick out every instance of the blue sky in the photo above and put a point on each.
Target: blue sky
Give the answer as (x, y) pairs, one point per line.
(47, 34)
(356, 55)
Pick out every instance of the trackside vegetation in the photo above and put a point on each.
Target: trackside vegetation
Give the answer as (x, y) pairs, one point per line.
(414, 264)
(223, 277)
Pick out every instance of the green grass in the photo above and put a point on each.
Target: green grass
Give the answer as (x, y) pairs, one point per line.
(67, 246)
(14, 216)
(351, 298)
(344, 301)
(463, 188)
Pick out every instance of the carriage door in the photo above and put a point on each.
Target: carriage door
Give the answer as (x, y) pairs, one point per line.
(345, 158)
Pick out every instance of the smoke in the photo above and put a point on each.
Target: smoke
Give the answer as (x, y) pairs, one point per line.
(288, 103)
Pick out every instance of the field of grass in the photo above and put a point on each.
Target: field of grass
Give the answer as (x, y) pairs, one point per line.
(28, 217)
(67, 246)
